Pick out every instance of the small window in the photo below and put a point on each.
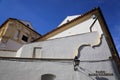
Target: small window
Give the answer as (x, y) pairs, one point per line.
(24, 38)
(48, 77)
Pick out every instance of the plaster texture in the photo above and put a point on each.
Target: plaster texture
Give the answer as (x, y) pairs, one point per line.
(80, 28)
(59, 48)
(96, 61)
(10, 45)
(7, 53)
(33, 69)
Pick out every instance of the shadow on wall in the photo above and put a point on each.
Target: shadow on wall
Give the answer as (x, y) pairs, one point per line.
(101, 78)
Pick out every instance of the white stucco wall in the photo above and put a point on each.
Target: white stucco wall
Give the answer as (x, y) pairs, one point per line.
(33, 70)
(92, 48)
(80, 28)
(67, 19)
(68, 47)
(97, 70)
(94, 61)
(9, 48)
(59, 48)
(7, 53)
(30, 69)
(10, 45)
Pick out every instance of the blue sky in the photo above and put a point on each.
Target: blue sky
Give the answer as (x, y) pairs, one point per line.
(45, 15)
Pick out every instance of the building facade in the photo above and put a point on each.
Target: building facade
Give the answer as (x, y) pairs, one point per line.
(80, 48)
(13, 34)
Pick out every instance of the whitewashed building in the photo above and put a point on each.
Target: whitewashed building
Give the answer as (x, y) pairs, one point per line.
(80, 48)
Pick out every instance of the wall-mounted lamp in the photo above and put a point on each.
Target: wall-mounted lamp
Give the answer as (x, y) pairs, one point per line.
(76, 63)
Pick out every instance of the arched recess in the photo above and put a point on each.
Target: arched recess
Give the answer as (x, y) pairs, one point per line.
(48, 77)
